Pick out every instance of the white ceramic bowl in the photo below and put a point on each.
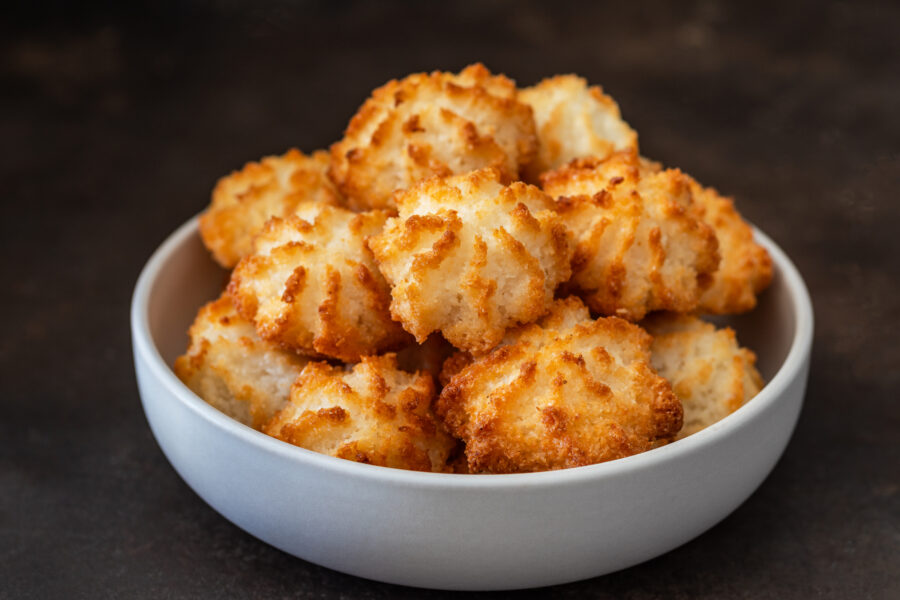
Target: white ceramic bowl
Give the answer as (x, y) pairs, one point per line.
(467, 532)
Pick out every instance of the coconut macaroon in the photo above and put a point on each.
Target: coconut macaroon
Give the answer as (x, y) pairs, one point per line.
(312, 286)
(564, 392)
(273, 187)
(230, 367)
(574, 121)
(639, 246)
(371, 413)
(745, 269)
(709, 371)
(470, 256)
(431, 124)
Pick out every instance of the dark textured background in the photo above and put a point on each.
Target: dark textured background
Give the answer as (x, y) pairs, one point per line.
(116, 121)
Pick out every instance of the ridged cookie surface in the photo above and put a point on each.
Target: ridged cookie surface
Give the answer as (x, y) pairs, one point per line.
(229, 366)
(639, 245)
(470, 256)
(431, 124)
(372, 413)
(746, 267)
(312, 286)
(564, 392)
(574, 121)
(273, 187)
(709, 371)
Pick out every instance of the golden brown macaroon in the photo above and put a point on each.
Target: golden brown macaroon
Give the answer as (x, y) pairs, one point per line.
(639, 245)
(470, 257)
(230, 367)
(564, 392)
(431, 124)
(746, 267)
(574, 121)
(709, 371)
(371, 413)
(273, 187)
(312, 286)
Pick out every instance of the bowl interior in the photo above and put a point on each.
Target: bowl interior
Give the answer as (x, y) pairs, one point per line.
(186, 277)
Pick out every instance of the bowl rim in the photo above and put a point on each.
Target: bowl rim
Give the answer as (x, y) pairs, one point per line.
(145, 348)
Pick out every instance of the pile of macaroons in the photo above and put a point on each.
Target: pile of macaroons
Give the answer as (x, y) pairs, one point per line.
(476, 279)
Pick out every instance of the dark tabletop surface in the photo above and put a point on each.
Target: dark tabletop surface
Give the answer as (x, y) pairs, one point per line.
(115, 125)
